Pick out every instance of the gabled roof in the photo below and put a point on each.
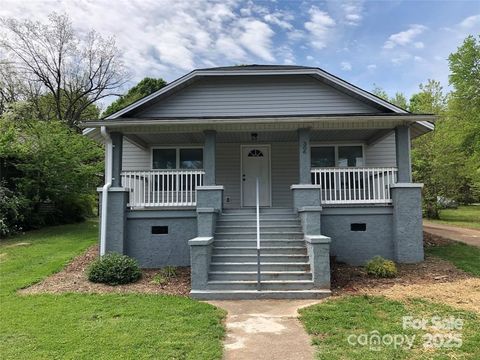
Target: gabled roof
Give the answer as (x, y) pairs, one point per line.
(259, 70)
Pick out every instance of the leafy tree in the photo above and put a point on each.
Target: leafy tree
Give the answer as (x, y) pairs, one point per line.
(430, 100)
(464, 109)
(378, 91)
(144, 88)
(400, 100)
(425, 167)
(58, 166)
(63, 73)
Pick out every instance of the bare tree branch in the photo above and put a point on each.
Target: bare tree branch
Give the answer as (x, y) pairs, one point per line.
(73, 70)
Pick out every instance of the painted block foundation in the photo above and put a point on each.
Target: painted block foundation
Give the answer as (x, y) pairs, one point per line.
(159, 250)
(355, 246)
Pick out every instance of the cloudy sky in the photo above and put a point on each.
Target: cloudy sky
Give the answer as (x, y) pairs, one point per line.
(394, 44)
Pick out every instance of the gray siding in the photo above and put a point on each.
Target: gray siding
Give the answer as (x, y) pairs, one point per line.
(284, 173)
(228, 172)
(134, 158)
(256, 95)
(284, 163)
(382, 153)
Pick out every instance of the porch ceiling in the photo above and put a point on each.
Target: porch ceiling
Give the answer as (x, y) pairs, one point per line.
(281, 128)
(262, 136)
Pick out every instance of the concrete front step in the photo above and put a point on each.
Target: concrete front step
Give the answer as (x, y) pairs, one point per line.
(263, 294)
(253, 222)
(266, 275)
(264, 235)
(264, 285)
(253, 242)
(252, 250)
(263, 217)
(234, 229)
(253, 210)
(264, 266)
(264, 258)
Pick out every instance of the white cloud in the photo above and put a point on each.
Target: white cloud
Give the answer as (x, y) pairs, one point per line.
(404, 37)
(371, 67)
(419, 45)
(320, 26)
(295, 35)
(166, 38)
(256, 36)
(353, 12)
(280, 18)
(418, 59)
(470, 21)
(310, 58)
(229, 47)
(399, 59)
(346, 66)
(286, 53)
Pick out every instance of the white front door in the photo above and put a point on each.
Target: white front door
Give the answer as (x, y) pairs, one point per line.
(255, 164)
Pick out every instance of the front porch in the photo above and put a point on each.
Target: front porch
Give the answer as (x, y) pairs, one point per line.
(352, 167)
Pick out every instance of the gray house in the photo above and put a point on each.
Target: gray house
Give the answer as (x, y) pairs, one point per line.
(256, 176)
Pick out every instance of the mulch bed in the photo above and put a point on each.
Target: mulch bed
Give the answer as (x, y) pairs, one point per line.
(352, 279)
(434, 278)
(73, 279)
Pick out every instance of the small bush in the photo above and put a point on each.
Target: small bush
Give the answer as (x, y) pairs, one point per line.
(164, 275)
(381, 268)
(114, 269)
(160, 279)
(169, 271)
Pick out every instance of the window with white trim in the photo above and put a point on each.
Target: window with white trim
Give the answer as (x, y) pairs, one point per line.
(177, 158)
(337, 156)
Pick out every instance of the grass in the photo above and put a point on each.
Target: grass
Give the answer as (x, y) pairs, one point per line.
(464, 216)
(332, 322)
(464, 257)
(79, 326)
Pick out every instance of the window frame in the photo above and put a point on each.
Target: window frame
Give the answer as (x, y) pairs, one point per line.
(336, 146)
(177, 156)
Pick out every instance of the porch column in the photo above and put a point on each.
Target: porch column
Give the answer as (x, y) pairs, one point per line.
(402, 149)
(209, 152)
(117, 144)
(304, 162)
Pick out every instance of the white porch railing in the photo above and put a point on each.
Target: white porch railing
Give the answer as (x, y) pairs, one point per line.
(159, 188)
(353, 185)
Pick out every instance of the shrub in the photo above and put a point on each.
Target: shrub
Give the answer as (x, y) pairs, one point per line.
(169, 271)
(381, 268)
(11, 211)
(160, 279)
(164, 275)
(114, 269)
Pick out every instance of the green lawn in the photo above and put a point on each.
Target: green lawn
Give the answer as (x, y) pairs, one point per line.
(465, 216)
(333, 322)
(79, 326)
(464, 257)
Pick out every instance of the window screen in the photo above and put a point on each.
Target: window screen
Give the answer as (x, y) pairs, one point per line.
(350, 156)
(164, 159)
(191, 159)
(323, 156)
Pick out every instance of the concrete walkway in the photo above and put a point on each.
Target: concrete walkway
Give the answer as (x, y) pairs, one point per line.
(467, 236)
(266, 329)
